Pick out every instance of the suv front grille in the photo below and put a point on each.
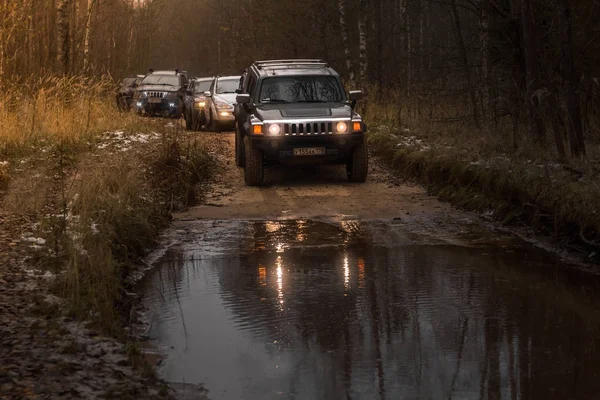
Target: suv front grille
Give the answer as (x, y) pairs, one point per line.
(158, 95)
(309, 128)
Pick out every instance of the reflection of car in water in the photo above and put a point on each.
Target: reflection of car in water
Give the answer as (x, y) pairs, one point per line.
(161, 93)
(126, 91)
(297, 112)
(195, 100)
(218, 112)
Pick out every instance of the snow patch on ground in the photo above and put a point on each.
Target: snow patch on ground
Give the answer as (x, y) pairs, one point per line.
(121, 141)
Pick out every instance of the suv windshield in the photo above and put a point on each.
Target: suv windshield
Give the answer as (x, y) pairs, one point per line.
(227, 85)
(172, 80)
(300, 89)
(202, 86)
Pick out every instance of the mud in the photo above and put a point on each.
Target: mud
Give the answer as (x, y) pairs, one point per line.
(307, 192)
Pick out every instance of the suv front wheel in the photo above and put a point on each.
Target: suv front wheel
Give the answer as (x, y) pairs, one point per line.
(254, 167)
(358, 165)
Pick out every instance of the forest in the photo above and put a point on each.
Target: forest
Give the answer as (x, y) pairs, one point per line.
(520, 70)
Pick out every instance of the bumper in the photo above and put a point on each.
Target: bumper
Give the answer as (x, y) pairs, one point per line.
(224, 118)
(170, 107)
(338, 148)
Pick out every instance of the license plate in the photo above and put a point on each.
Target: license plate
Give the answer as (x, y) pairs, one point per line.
(309, 151)
(154, 100)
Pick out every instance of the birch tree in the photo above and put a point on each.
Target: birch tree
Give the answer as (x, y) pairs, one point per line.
(62, 36)
(345, 40)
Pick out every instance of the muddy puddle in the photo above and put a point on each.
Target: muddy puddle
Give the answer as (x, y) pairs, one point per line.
(369, 310)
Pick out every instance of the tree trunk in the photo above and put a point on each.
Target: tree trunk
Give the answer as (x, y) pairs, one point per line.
(345, 41)
(87, 33)
(484, 37)
(380, 58)
(532, 70)
(62, 36)
(571, 81)
(465, 61)
(362, 41)
(2, 29)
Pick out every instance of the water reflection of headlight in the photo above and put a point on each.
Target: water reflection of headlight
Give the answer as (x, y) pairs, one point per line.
(279, 264)
(346, 272)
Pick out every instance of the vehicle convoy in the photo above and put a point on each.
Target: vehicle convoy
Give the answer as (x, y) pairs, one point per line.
(218, 111)
(161, 93)
(126, 91)
(195, 101)
(297, 112)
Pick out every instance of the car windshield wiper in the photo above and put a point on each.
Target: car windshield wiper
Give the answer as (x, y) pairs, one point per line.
(313, 101)
(273, 101)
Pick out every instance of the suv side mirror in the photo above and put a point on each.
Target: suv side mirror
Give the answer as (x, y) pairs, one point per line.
(243, 98)
(356, 95)
(207, 94)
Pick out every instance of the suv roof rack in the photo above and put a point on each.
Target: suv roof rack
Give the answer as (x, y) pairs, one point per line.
(299, 61)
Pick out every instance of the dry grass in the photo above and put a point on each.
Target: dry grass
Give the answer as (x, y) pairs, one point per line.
(98, 209)
(481, 171)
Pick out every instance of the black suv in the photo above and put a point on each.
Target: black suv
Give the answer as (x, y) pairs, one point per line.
(294, 112)
(126, 91)
(161, 93)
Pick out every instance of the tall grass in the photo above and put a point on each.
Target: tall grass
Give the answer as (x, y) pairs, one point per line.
(51, 109)
(99, 211)
(482, 171)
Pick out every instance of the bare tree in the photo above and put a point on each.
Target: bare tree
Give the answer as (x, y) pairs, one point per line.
(62, 36)
(88, 30)
(571, 79)
(362, 40)
(345, 40)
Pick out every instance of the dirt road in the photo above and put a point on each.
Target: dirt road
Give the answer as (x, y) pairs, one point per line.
(307, 192)
(314, 288)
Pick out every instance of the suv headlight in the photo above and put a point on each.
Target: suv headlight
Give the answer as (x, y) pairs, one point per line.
(199, 103)
(223, 105)
(274, 129)
(341, 127)
(144, 94)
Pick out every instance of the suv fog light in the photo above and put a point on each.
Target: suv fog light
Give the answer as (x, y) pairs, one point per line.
(274, 129)
(171, 104)
(224, 114)
(341, 127)
(139, 104)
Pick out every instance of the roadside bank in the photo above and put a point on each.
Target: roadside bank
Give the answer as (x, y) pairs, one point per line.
(557, 201)
(85, 192)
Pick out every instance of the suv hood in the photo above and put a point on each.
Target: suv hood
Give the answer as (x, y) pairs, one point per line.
(157, 88)
(303, 111)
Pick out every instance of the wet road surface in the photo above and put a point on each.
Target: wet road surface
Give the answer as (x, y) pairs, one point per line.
(392, 309)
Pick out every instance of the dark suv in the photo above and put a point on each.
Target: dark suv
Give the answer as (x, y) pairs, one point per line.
(161, 93)
(126, 91)
(297, 112)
